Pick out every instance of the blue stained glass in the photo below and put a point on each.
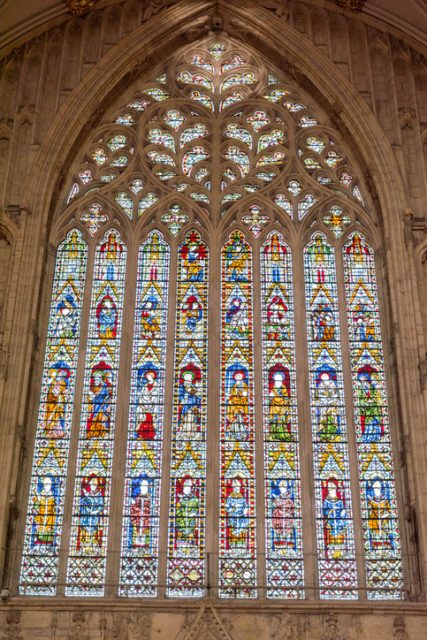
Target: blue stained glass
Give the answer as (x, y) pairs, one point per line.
(43, 532)
(140, 538)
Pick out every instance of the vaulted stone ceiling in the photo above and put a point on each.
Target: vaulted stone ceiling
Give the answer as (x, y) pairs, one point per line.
(19, 18)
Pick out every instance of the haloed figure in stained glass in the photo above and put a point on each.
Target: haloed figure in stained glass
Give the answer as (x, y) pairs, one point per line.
(236, 506)
(237, 426)
(237, 318)
(236, 260)
(91, 509)
(275, 253)
(327, 405)
(45, 504)
(106, 316)
(192, 312)
(140, 513)
(110, 257)
(379, 514)
(56, 400)
(190, 402)
(369, 405)
(193, 254)
(148, 401)
(99, 401)
(278, 319)
(323, 323)
(279, 403)
(334, 518)
(187, 512)
(150, 318)
(66, 317)
(321, 250)
(282, 515)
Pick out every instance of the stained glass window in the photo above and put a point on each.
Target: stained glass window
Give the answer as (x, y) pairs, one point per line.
(140, 540)
(237, 440)
(92, 486)
(155, 475)
(186, 565)
(43, 533)
(285, 571)
(333, 504)
(377, 485)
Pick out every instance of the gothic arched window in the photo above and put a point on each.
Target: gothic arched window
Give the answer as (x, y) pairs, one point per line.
(213, 410)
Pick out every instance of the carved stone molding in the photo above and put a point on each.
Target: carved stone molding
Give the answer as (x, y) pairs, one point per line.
(78, 626)
(331, 628)
(399, 628)
(207, 626)
(351, 5)
(80, 7)
(285, 627)
(12, 630)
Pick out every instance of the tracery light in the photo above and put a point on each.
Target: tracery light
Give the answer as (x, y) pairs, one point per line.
(187, 153)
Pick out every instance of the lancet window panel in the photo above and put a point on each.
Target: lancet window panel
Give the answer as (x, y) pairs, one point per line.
(92, 487)
(141, 522)
(39, 572)
(186, 566)
(217, 198)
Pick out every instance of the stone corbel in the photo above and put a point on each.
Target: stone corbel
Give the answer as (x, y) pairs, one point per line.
(399, 628)
(80, 7)
(13, 630)
(406, 118)
(279, 7)
(331, 627)
(4, 362)
(25, 114)
(16, 212)
(408, 216)
(351, 5)
(422, 368)
(6, 128)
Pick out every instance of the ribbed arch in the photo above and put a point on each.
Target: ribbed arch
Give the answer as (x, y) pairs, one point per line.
(231, 194)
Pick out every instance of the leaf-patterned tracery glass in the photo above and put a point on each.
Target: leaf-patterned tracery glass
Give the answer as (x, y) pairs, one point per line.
(218, 160)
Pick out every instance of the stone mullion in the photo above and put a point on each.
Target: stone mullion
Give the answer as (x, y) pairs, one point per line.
(118, 468)
(308, 513)
(213, 417)
(351, 426)
(75, 425)
(258, 393)
(167, 419)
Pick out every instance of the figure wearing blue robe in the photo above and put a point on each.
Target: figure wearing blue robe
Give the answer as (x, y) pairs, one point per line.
(98, 423)
(91, 509)
(107, 318)
(66, 317)
(236, 507)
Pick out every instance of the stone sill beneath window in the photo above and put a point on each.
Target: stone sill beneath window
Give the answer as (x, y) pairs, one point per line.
(231, 606)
